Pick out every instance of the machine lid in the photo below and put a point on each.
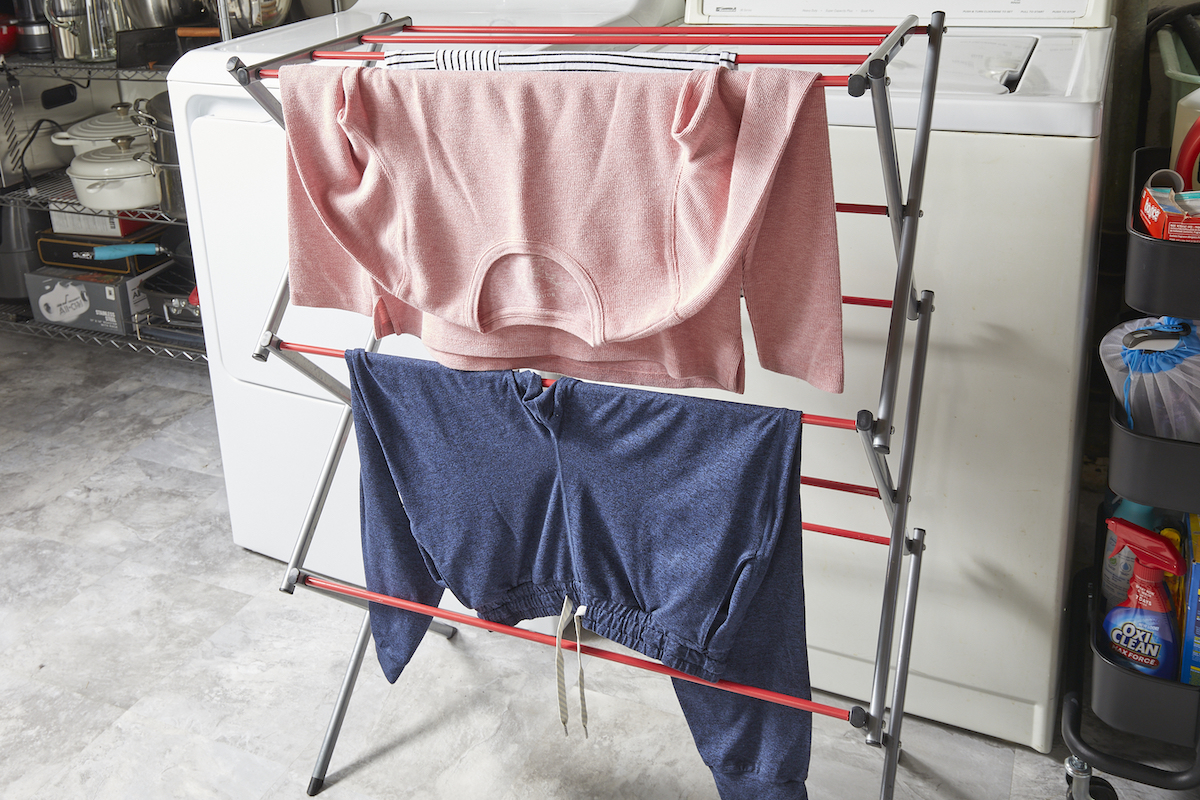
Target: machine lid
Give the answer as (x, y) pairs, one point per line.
(499, 12)
(1047, 82)
(1022, 13)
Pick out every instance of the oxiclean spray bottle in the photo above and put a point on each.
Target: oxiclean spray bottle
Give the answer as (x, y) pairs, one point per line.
(1141, 630)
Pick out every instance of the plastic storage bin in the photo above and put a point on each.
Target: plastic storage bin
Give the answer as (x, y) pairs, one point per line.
(1164, 473)
(1162, 278)
(1135, 703)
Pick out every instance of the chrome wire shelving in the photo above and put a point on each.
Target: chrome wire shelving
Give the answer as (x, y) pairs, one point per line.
(15, 318)
(77, 70)
(54, 191)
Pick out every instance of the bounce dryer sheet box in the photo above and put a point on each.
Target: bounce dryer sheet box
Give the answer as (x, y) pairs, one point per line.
(94, 301)
(67, 223)
(1168, 214)
(1189, 639)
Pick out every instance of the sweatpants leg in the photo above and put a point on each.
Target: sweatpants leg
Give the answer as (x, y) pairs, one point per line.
(759, 750)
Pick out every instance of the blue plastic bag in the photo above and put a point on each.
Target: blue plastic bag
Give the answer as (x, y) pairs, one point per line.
(1153, 365)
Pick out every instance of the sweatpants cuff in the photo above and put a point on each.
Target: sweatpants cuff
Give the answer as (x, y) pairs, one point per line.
(748, 786)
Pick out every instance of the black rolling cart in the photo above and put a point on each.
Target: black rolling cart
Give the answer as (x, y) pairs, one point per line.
(1162, 278)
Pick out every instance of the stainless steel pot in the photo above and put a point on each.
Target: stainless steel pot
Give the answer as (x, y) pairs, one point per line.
(155, 116)
(161, 13)
(247, 15)
(95, 30)
(66, 42)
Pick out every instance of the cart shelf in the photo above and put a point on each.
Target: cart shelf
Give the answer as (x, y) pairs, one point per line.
(1161, 277)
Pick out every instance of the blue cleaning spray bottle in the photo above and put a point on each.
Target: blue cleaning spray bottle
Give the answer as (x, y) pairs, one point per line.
(1141, 630)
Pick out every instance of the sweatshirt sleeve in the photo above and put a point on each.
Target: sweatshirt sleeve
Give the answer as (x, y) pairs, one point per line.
(335, 195)
(791, 279)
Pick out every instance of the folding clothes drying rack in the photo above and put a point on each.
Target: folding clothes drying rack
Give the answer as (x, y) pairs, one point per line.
(880, 721)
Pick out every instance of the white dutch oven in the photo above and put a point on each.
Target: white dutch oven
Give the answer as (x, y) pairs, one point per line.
(96, 132)
(114, 178)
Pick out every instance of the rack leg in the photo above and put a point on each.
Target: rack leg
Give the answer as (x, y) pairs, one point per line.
(891, 589)
(916, 546)
(274, 318)
(339, 708)
(316, 504)
(442, 629)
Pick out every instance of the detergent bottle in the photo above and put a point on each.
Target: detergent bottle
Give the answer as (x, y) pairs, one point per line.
(1141, 630)
(1118, 564)
(1175, 583)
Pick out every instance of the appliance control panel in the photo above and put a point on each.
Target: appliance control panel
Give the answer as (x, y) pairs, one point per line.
(985, 13)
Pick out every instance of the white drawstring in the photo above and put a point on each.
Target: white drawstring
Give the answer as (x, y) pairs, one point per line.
(563, 620)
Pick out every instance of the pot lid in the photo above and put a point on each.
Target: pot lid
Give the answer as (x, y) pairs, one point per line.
(159, 107)
(104, 127)
(117, 161)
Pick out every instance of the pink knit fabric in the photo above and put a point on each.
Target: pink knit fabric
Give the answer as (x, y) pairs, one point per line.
(597, 225)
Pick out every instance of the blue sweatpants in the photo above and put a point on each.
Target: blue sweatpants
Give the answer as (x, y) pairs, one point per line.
(675, 520)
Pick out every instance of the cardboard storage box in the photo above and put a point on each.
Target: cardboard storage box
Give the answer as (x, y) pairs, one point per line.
(1170, 215)
(1189, 639)
(66, 223)
(94, 301)
(58, 250)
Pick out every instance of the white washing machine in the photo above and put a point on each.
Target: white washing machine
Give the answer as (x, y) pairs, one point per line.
(1011, 209)
(1011, 220)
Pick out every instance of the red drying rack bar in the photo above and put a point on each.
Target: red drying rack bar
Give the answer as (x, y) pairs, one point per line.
(757, 58)
(787, 36)
(855, 716)
(813, 527)
(838, 486)
(313, 350)
(506, 37)
(793, 31)
(740, 58)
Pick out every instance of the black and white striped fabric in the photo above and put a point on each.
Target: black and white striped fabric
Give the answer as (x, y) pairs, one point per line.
(574, 61)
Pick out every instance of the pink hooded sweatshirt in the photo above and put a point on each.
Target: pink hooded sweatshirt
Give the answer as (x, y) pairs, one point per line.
(603, 226)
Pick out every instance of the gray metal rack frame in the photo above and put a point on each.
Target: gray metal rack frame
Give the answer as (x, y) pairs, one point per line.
(882, 720)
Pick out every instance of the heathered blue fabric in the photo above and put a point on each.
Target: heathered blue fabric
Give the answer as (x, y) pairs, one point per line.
(674, 519)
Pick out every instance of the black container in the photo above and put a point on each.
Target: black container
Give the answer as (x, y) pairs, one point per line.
(1161, 277)
(1164, 473)
(1129, 701)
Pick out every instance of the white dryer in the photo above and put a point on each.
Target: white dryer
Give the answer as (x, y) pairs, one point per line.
(1011, 216)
